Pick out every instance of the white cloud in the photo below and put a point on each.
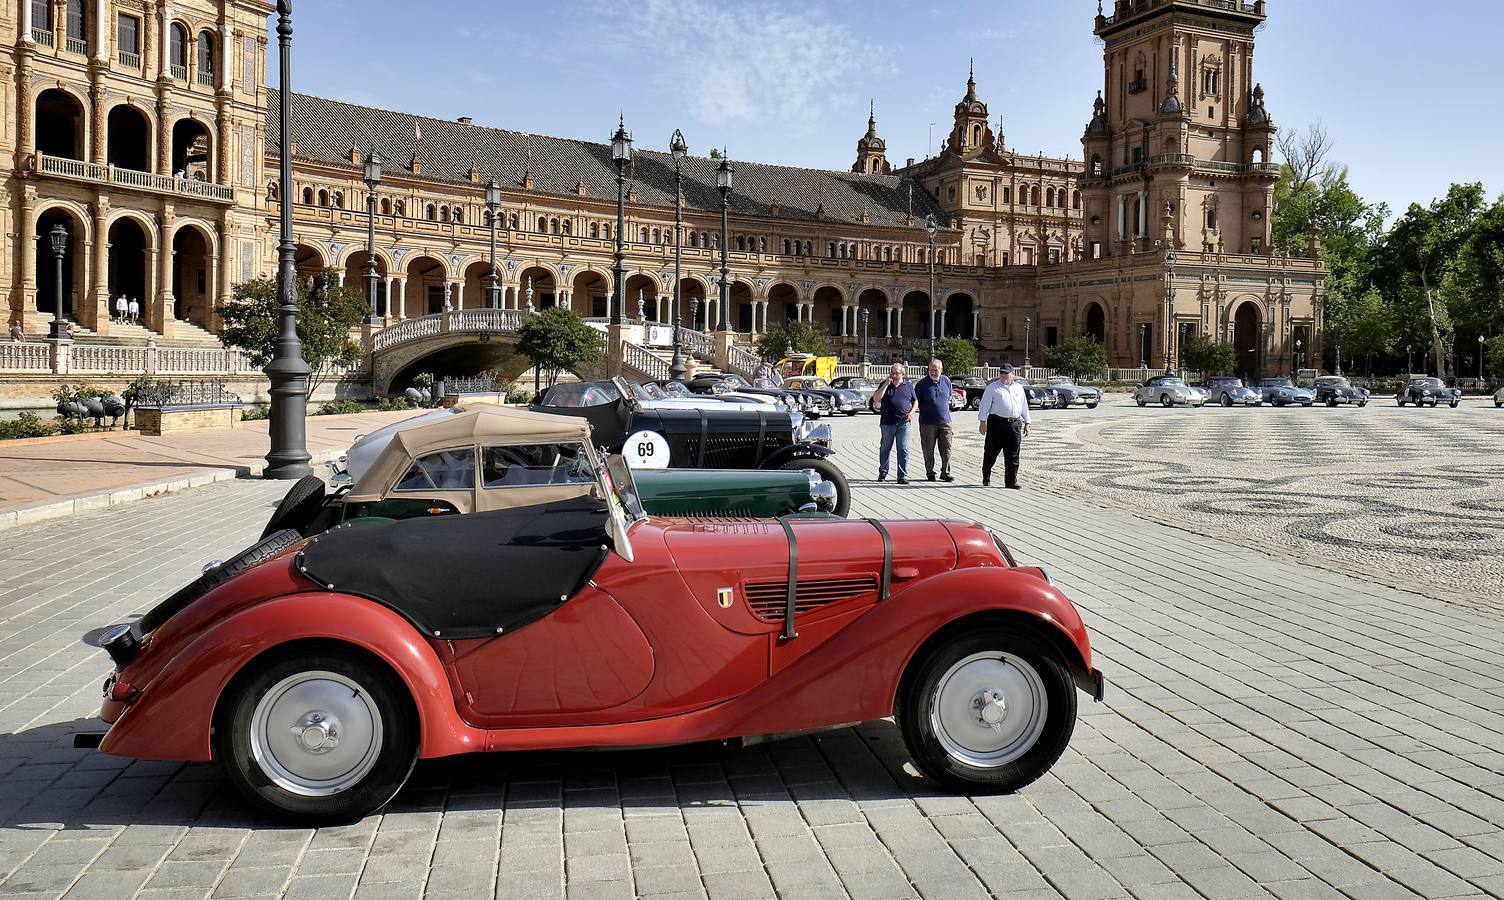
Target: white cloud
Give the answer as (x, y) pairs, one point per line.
(750, 63)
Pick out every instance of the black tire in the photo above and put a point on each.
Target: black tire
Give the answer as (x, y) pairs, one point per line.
(1331, 402)
(974, 402)
(1454, 403)
(1225, 401)
(1498, 403)
(378, 688)
(828, 471)
(1091, 406)
(1139, 402)
(299, 506)
(1400, 400)
(913, 711)
(1166, 400)
(258, 552)
(1362, 403)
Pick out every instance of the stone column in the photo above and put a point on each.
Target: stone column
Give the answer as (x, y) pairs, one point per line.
(102, 31)
(26, 286)
(459, 298)
(163, 70)
(102, 267)
(391, 307)
(402, 293)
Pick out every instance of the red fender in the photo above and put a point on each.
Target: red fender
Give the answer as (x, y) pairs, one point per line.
(172, 717)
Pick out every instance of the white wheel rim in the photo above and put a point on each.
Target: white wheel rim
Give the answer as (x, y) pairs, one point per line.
(316, 734)
(989, 709)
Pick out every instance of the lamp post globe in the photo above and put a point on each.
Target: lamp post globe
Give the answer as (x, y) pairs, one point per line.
(493, 279)
(621, 155)
(724, 177)
(373, 180)
(678, 149)
(288, 372)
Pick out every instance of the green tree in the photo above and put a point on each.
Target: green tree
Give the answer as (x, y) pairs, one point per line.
(1079, 357)
(326, 313)
(1363, 328)
(959, 356)
(802, 337)
(1493, 355)
(1207, 356)
(557, 339)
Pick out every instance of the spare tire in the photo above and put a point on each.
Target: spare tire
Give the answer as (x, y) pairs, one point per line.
(298, 507)
(258, 552)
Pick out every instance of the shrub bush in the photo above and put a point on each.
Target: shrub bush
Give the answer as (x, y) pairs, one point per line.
(254, 413)
(27, 425)
(339, 408)
(392, 404)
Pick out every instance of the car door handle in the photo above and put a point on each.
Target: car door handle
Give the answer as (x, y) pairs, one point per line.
(902, 573)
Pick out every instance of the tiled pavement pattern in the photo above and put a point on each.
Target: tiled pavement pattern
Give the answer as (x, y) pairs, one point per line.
(1409, 497)
(1270, 729)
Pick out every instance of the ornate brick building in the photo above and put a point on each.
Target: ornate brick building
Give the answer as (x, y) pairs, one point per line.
(147, 131)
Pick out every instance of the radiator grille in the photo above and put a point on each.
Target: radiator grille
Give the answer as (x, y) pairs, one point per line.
(769, 599)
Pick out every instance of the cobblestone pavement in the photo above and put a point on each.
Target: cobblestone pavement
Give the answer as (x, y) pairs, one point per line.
(1408, 497)
(1270, 728)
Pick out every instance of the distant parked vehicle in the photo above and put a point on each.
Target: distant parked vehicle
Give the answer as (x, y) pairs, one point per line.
(1229, 390)
(841, 400)
(1429, 391)
(1283, 392)
(1498, 398)
(1167, 390)
(864, 387)
(1068, 393)
(1334, 389)
(1040, 397)
(972, 386)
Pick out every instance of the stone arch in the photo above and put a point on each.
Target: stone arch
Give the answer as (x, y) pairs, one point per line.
(827, 304)
(692, 294)
(1246, 319)
(61, 123)
(193, 249)
(874, 302)
(741, 305)
(783, 302)
(588, 291)
(129, 141)
(914, 312)
(959, 319)
(1094, 322)
(192, 149)
(474, 274)
(354, 266)
(427, 279)
(74, 283)
(543, 280)
(132, 238)
(308, 260)
(644, 286)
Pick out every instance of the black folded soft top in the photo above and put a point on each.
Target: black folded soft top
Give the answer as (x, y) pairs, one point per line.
(467, 576)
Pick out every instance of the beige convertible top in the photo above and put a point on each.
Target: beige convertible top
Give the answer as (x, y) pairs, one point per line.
(474, 423)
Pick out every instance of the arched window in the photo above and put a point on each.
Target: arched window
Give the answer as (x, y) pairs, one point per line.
(568, 226)
(205, 57)
(830, 250)
(1076, 200)
(941, 260)
(431, 213)
(606, 232)
(741, 243)
(553, 226)
(595, 229)
(443, 214)
(644, 236)
(1034, 196)
(887, 254)
(459, 214)
(1258, 155)
(485, 218)
(75, 23)
(543, 224)
(339, 199)
(809, 248)
(657, 236)
(1096, 165)
(787, 250)
(976, 135)
(177, 50)
(1049, 196)
(323, 198)
(1211, 217)
(41, 14)
(271, 190)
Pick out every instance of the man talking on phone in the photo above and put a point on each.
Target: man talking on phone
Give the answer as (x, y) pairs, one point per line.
(1004, 414)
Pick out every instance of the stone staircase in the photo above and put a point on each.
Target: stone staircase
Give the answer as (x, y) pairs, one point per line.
(184, 334)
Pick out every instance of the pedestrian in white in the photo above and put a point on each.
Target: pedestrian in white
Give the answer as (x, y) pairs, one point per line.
(122, 308)
(1004, 414)
(135, 310)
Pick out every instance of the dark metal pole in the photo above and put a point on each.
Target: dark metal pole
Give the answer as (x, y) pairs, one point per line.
(1028, 339)
(932, 297)
(725, 258)
(619, 269)
(288, 372)
(493, 287)
(864, 336)
(677, 368)
(370, 267)
(59, 248)
(1170, 314)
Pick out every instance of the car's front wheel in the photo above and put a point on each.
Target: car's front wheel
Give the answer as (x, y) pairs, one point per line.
(1453, 404)
(1166, 400)
(1331, 401)
(988, 711)
(1091, 405)
(323, 736)
(829, 472)
(1400, 401)
(1139, 401)
(1225, 400)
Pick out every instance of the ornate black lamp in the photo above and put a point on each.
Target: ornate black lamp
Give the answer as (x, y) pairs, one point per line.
(493, 280)
(723, 182)
(372, 179)
(679, 149)
(621, 154)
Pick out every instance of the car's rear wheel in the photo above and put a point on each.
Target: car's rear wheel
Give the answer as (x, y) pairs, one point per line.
(1139, 401)
(1166, 400)
(1400, 401)
(974, 402)
(1225, 401)
(1331, 401)
(988, 711)
(1362, 403)
(299, 506)
(322, 736)
(831, 473)
(1453, 404)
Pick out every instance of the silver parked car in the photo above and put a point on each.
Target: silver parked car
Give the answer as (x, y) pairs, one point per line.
(1284, 392)
(1167, 390)
(1068, 393)
(1229, 390)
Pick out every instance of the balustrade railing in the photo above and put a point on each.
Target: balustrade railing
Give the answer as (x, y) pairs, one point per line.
(128, 59)
(696, 342)
(641, 359)
(76, 45)
(25, 358)
(486, 319)
(179, 72)
(743, 362)
(202, 361)
(89, 171)
(116, 360)
(41, 37)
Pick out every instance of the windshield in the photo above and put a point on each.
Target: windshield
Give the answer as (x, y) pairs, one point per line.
(649, 391)
(858, 383)
(1429, 382)
(1227, 382)
(1277, 382)
(735, 381)
(675, 389)
(1334, 382)
(1061, 380)
(581, 394)
(622, 497)
(1169, 381)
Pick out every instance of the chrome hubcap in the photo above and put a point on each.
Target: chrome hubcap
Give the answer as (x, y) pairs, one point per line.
(989, 709)
(316, 733)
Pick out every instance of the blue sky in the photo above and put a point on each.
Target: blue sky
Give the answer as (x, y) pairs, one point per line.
(1409, 92)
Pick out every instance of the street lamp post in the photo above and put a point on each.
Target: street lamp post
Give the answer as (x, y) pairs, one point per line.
(1298, 356)
(1339, 360)
(373, 180)
(930, 227)
(723, 183)
(621, 154)
(288, 372)
(678, 149)
(1480, 362)
(1409, 365)
(1143, 343)
(59, 238)
(865, 317)
(493, 279)
(1028, 339)
(1170, 314)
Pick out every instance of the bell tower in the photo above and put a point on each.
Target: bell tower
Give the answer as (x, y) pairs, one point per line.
(871, 150)
(970, 132)
(1179, 129)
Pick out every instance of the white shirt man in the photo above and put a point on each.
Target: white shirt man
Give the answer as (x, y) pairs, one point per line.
(121, 306)
(135, 309)
(1004, 414)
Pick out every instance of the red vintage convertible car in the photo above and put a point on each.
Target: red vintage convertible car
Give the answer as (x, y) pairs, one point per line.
(317, 671)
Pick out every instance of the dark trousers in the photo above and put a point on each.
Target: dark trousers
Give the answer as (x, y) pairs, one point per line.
(1006, 435)
(929, 436)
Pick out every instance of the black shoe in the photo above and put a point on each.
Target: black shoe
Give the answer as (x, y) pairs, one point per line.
(986, 482)
(903, 481)
(947, 477)
(882, 478)
(930, 476)
(1014, 487)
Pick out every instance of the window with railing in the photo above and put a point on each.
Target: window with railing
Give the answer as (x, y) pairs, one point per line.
(41, 22)
(206, 58)
(128, 40)
(177, 51)
(74, 24)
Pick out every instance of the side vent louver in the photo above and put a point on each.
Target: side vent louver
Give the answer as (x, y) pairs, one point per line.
(768, 599)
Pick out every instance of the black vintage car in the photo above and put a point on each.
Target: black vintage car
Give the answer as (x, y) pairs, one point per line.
(1334, 389)
(973, 386)
(1428, 391)
(700, 438)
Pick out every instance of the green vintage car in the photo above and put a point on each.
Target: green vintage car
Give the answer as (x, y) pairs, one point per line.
(481, 457)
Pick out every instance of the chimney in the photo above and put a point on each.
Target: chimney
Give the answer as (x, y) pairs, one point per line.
(465, 120)
(910, 162)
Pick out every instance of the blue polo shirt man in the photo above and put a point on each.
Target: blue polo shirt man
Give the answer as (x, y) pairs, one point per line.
(896, 406)
(933, 392)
